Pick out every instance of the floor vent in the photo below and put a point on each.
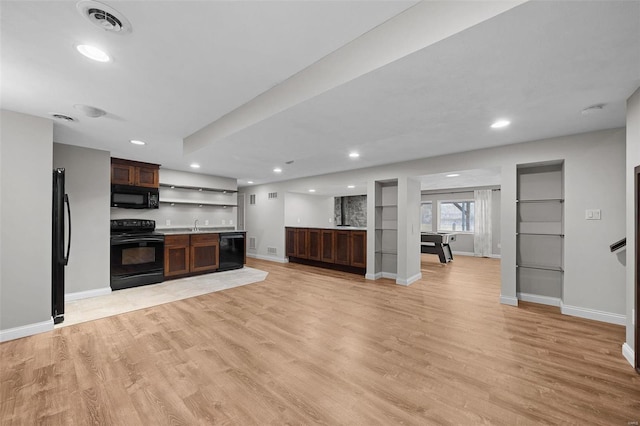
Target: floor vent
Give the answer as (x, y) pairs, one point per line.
(273, 195)
(252, 243)
(272, 250)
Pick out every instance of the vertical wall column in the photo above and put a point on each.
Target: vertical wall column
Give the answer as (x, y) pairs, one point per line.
(408, 231)
(508, 193)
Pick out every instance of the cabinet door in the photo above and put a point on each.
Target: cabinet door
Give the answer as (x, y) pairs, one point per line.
(327, 246)
(176, 255)
(342, 249)
(314, 244)
(290, 242)
(122, 174)
(204, 252)
(147, 177)
(359, 249)
(302, 243)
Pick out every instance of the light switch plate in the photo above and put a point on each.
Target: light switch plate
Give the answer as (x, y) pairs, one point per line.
(206, 222)
(167, 222)
(592, 214)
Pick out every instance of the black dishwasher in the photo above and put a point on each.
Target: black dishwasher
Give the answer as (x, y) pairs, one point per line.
(231, 251)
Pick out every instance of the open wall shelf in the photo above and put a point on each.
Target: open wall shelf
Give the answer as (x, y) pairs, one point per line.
(540, 230)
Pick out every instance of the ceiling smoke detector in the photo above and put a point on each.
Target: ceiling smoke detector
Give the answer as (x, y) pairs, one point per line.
(104, 16)
(593, 109)
(90, 111)
(62, 117)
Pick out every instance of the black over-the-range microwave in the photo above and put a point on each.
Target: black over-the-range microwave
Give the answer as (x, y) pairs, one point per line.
(134, 197)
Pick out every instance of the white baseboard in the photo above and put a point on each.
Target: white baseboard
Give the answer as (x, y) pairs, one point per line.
(375, 276)
(628, 354)
(535, 298)
(409, 280)
(26, 330)
(495, 256)
(269, 258)
(593, 314)
(508, 300)
(388, 275)
(87, 294)
(462, 253)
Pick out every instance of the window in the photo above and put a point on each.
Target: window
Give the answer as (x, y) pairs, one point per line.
(456, 216)
(426, 217)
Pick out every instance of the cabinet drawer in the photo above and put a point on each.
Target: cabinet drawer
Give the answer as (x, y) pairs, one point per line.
(204, 238)
(176, 240)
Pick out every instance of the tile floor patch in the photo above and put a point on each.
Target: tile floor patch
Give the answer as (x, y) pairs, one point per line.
(131, 299)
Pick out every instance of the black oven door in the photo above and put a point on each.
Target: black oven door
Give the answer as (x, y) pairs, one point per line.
(136, 260)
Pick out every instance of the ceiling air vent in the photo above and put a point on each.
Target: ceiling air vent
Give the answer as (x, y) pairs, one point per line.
(273, 195)
(62, 117)
(104, 16)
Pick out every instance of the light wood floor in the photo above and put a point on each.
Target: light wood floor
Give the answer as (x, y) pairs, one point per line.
(314, 346)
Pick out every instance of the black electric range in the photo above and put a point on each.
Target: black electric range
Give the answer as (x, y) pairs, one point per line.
(137, 253)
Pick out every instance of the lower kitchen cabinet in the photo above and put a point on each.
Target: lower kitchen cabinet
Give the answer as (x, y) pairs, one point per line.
(176, 255)
(186, 254)
(343, 249)
(204, 252)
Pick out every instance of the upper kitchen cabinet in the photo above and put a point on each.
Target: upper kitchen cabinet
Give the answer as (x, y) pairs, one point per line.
(134, 173)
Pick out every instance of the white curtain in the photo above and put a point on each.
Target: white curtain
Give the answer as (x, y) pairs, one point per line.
(482, 223)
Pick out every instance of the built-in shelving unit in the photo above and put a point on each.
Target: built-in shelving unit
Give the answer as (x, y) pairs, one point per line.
(540, 232)
(386, 228)
(197, 196)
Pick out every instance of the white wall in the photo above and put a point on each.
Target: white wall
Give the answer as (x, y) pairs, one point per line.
(265, 222)
(633, 161)
(593, 279)
(25, 224)
(184, 215)
(87, 181)
(313, 211)
(464, 242)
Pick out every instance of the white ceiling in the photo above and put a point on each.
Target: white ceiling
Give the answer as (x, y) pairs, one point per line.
(187, 64)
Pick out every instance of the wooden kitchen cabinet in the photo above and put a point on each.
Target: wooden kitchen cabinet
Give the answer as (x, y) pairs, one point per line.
(176, 255)
(187, 254)
(358, 249)
(204, 252)
(343, 249)
(327, 245)
(134, 173)
(290, 242)
(314, 245)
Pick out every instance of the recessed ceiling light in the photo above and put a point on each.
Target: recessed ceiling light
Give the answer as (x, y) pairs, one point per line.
(277, 170)
(93, 52)
(195, 166)
(354, 155)
(454, 175)
(173, 186)
(312, 190)
(250, 181)
(137, 142)
(500, 124)
(351, 186)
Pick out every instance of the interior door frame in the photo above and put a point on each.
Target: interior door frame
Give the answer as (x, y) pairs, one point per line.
(636, 179)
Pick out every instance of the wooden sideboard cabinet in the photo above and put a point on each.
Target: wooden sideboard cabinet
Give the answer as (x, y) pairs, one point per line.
(343, 249)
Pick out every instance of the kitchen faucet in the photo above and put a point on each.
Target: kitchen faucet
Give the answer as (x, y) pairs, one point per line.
(195, 225)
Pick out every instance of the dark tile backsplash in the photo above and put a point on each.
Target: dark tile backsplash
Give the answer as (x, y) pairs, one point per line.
(355, 210)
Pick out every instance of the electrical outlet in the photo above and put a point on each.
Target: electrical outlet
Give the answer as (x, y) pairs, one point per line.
(167, 222)
(224, 222)
(298, 220)
(230, 221)
(206, 222)
(330, 220)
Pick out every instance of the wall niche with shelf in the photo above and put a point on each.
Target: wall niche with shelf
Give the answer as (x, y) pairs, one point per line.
(540, 232)
(386, 228)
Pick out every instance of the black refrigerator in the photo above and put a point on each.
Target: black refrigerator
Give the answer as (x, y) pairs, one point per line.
(61, 234)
